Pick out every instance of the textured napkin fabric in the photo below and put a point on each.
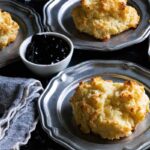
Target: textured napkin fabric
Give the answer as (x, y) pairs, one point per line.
(18, 110)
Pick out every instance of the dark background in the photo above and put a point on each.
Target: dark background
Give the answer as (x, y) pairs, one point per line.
(137, 54)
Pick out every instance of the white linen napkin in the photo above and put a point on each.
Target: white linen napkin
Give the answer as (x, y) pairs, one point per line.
(18, 110)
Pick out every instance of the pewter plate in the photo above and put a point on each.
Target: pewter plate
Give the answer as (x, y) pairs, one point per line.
(56, 113)
(57, 17)
(29, 22)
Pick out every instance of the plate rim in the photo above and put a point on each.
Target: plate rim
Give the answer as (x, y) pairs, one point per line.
(49, 130)
(52, 3)
(29, 9)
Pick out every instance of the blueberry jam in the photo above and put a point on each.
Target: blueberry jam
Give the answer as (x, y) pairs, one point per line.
(47, 49)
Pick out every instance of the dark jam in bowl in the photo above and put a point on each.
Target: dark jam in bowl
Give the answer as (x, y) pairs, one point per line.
(47, 49)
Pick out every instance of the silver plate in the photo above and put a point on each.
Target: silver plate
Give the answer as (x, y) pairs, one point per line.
(56, 112)
(29, 22)
(57, 17)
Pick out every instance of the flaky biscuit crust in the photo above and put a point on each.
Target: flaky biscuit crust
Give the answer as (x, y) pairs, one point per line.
(111, 110)
(104, 18)
(8, 29)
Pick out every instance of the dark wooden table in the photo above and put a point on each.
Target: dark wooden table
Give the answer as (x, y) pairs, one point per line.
(137, 54)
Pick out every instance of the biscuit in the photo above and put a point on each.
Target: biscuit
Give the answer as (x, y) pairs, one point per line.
(104, 18)
(109, 109)
(8, 29)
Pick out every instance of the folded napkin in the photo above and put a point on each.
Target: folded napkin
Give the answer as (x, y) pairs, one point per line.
(18, 110)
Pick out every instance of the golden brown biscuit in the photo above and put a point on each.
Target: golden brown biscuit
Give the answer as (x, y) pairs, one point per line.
(104, 5)
(109, 109)
(8, 29)
(103, 18)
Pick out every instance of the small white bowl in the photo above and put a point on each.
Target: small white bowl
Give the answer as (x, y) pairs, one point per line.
(45, 70)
